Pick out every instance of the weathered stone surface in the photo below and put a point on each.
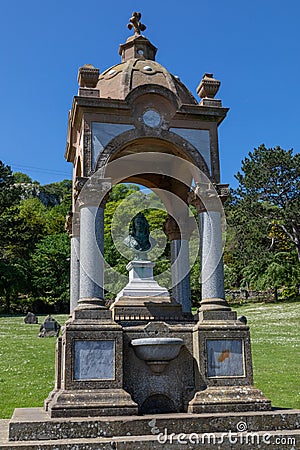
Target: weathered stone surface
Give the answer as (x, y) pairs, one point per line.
(260, 440)
(228, 399)
(31, 318)
(173, 388)
(89, 366)
(91, 403)
(49, 328)
(33, 429)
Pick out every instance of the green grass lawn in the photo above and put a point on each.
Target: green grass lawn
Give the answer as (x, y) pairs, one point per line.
(27, 362)
(275, 339)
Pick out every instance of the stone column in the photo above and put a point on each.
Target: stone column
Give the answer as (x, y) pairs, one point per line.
(208, 202)
(74, 272)
(91, 203)
(212, 274)
(180, 261)
(73, 228)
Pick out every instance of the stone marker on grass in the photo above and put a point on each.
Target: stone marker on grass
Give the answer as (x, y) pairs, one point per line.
(49, 328)
(31, 318)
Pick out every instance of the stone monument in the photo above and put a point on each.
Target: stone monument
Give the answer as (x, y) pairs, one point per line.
(121, 369)
(49, 328)
(31, 318)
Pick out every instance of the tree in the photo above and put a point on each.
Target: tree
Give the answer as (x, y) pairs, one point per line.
(51, 267)
(10, 194)
(262, 248)
(12, 273)
(21, 177)
(13, 279)
(28, 213)
(272, 175)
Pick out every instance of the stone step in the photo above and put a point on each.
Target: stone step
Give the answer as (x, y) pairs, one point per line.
(281, 440)
(28, 424)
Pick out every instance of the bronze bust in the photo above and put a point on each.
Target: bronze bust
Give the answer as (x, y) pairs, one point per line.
(139, 238)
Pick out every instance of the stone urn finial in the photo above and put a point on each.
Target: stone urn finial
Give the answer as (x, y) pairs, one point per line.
(88, 76)
(208, 86)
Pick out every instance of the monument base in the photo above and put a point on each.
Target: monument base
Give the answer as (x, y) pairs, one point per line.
(32, 428)
(91, 403)
(147, 308)
(229, 399)
(89, 366)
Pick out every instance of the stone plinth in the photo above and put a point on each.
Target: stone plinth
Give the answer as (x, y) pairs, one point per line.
(147, 309)
(141, 281)
(222, 350)
(229, 399)
(89, 366)
(143, 298)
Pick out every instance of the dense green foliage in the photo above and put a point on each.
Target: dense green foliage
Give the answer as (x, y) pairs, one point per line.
(34, 250)
(27, 362)
(263, 216)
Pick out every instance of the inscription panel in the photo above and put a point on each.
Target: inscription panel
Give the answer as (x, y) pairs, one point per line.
(94, 360)
(225, 358)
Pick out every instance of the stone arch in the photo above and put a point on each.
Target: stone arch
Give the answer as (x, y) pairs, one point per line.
(144, 147)
(152, 89)
(173, 144)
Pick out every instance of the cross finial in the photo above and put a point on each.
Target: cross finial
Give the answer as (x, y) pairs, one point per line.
(136, 24)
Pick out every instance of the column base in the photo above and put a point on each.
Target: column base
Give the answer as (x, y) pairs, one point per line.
(91, 309)
(229, 398)
(211, 315)
(90, 403)
(214, 304)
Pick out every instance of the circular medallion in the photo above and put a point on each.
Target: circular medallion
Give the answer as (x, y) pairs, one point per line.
(151, 118)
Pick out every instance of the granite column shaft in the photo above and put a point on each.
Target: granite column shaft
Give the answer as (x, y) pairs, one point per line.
(180, 260)
(91, 251)
(209, 206)
(178, 232)
(212, 274)
(74, 272)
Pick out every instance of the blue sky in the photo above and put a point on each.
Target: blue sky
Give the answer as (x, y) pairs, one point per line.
(252, 47)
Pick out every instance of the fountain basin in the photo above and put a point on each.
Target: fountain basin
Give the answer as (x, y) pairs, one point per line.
(158, 350)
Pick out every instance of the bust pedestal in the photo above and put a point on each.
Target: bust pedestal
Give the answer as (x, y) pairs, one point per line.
(143, 298)
(141, 281)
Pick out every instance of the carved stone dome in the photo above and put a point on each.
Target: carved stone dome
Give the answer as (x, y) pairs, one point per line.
(118, 81)
(138, 67)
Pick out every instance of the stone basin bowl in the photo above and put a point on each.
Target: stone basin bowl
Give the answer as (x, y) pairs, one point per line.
(157, 349)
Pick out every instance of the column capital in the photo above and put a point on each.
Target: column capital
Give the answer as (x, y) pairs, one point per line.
(195, 201)
(171, 229)
(179, 229)
(94, 192)
(208, 196)
(72, 224)
(78, 185)
(223, 191)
